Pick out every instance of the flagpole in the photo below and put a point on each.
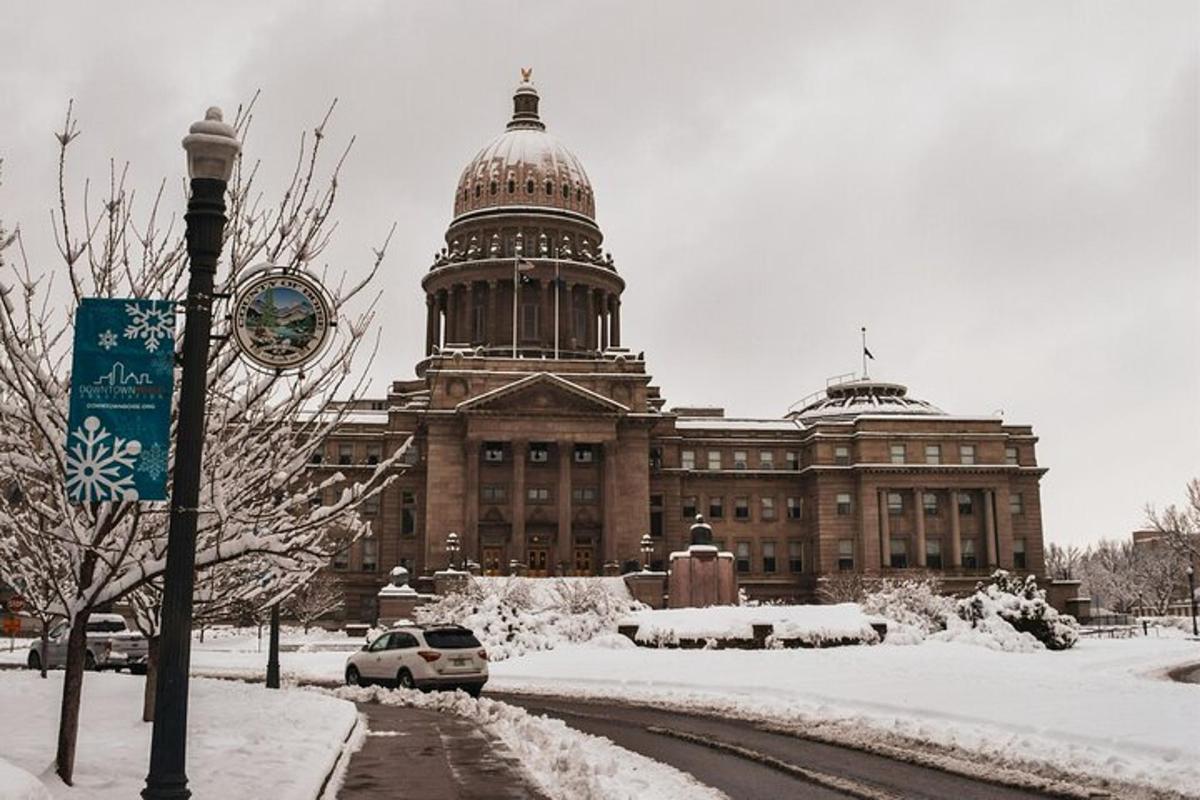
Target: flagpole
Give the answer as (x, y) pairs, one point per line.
(557, 294)
(864, 352)
(516, 285)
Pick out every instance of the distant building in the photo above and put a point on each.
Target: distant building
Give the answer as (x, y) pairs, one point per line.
(553, 455)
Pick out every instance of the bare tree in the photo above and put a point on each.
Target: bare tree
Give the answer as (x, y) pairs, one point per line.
(314, 598)
(1180, 525)
(258, 497)
(1111, 575)
(1062, 563)
(845, 587)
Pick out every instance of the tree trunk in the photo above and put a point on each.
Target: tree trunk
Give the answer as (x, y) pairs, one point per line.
(307, 623)
(151, 679)
(45, 646)
(68, 720)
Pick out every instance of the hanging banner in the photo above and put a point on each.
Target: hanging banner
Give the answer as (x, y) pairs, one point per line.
(122, 376)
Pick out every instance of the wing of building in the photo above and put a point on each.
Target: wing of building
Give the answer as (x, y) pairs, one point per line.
(541, 440)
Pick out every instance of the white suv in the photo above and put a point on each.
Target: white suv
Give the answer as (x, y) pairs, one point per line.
(422, 657)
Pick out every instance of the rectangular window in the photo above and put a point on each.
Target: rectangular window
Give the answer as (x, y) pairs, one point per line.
(408, 513)
(899, 553)
(529, 321)
(841, 454)
(687, 459)
(966, 504)
(493, 452)
(795, 507)
(933, 553)
(898, 454)
(768, 556)
(371, 505)
(1014, 504)
(843, 504)
(495, 494)
(370, 555)
(584, 494)
(743, 556)
(1011, 457)
(968, 554)
(1019, 554)
(584, 454)
(895, 503)
(538, 494)
(766, 459)
(716, 507)
(768, 507)
(374, 453)
(656, 515)
(689, 507)
(845, 554)
(316, 456)
(933, 454)
(480, 324)
(795, 557)
(792, 458)
(655, 458)
(739, 459)
(714, 459)
(539, 452)
(345, 453)
(930, 501)
(341, 559)
(966, 454)
(741, 508)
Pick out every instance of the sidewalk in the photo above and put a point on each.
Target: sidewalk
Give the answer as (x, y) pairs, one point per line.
(413, 753)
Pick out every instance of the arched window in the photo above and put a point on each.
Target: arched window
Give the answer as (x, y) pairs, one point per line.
(493, 187)
(549, 186)
(477, 189)
(566, 190)
(512, 186)
(529, 186)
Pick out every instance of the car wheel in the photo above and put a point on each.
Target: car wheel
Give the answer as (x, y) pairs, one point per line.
(404, 680)
(353, 678)
(474, 691)
(34, 661)
(89, 662)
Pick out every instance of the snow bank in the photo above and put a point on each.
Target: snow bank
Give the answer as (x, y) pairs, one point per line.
(563, 762)
(243, 740)
(17, 784)
(810, 624)
(514, 616)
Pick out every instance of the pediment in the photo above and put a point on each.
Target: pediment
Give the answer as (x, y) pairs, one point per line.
(543, 393)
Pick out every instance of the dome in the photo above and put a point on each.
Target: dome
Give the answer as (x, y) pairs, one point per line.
(525, 167)
(841, 402)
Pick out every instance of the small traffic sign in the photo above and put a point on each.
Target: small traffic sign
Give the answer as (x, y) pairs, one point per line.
(12, 626)
(16, 603)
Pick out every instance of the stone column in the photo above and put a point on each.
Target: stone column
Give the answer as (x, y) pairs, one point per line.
(492, 323)
(989, 527)
(603, 322)
(589, 339)
(430, 322)
(616, 321)
(919, 502)
(546, 323)
(955, 531)
(609, 530)
(520, 452)
(470, 533)
(451, 315)
(566, 455)
(885, 533)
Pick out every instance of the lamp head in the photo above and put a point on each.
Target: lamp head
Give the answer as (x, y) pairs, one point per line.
(1191, 571)
(212, 147)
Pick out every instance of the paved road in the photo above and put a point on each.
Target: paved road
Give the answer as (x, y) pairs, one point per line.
(748, 763)
(426, 755)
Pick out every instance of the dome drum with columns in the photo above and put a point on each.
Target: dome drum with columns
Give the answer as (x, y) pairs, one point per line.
(524, 197)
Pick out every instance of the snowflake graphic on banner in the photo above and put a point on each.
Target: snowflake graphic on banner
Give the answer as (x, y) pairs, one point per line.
(108, 340)
(100, 464)
(150, 324)
(153, 461)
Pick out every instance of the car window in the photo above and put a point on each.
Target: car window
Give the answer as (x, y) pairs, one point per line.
(451, 639)
(403, 641)
(106, 626)
(380, 643)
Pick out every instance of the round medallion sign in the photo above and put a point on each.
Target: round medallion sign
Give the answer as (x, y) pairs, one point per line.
(281, 319)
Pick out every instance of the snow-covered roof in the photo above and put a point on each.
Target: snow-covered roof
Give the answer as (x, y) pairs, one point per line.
(736, 424)
(856, 398)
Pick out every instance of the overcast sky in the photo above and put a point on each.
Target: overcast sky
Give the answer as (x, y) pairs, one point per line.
(1005, 194)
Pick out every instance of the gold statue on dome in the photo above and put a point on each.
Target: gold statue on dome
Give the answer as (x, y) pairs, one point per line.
(526, 74)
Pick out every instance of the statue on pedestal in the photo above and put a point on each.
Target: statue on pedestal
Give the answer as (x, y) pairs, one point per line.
(702, 532)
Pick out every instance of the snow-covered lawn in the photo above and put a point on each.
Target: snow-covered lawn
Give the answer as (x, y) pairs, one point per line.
(1101, 708)
(235, 653)
(807, 623)
(563, 762)
(243, 741)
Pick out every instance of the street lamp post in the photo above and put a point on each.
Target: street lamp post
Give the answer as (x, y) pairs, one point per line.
(452, 549)
(647, 550)
(1191, 573)
(212, 147)
(273, 650)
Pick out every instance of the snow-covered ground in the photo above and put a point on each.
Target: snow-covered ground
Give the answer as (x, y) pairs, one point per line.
(1102, 708)
(563, 762)
(243, 740)
(808, 623)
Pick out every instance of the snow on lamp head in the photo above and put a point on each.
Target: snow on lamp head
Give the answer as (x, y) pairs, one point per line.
(212, 147)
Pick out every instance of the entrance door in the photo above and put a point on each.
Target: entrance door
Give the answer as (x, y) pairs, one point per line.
(537, 562)
(493, 559)
(583, 561)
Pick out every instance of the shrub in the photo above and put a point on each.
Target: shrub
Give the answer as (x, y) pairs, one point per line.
(1022, 605)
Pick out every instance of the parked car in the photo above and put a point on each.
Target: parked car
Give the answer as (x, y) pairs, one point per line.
(110, 645)
(422, 657)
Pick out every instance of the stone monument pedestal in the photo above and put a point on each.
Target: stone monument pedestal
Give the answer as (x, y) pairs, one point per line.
(647, 587)
(701, 576)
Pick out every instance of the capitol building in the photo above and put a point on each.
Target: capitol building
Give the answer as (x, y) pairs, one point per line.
(538, 435)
